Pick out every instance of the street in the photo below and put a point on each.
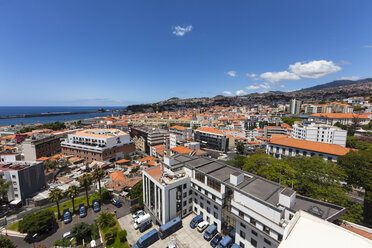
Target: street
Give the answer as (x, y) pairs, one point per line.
(63, 228)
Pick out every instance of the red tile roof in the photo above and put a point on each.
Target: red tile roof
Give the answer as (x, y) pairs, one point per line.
(309, 145)
(210, 130)
(117, 176)
(340, 115)
(181, 150)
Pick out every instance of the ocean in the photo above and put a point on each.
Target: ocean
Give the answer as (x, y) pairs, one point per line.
(21, 110)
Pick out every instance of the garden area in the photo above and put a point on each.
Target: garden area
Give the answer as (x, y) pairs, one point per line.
(112, 234)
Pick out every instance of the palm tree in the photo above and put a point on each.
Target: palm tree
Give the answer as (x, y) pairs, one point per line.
(98, 175)
(72, 192)
(56, 195)
(85, 181)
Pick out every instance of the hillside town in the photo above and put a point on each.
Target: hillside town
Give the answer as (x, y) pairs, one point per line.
(246, 176)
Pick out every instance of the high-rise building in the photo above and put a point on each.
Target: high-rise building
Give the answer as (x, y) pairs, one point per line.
(295, 107)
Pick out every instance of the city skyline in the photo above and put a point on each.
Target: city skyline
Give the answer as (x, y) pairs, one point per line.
(139, 52)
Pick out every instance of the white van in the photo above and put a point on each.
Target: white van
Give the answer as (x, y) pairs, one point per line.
(202, 226)
(142, 220)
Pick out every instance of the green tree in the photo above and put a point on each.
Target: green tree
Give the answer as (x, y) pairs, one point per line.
(358, 167)
(56, 195)
(111, 235)
(81, 231)
(97, 176)
(240, 147)
(122, 236)
(106, 220)
(4, 187)
(5, 242)
(271, 168)
(136, 192)
(237, 162)
(353, 142)
(85, 182)
(319, 179)
(72, 192)
(36, 222)
(63, 242)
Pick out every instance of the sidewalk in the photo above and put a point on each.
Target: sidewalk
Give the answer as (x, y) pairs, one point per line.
(12, 233)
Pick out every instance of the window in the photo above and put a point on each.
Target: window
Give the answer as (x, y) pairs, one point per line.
(13, 176)
(241, 245)
(280, 237)
(208, 202)
(290, 216)
(242, 234)
(241, 214)
(184, 211)
(253, 242)
(201, 205)
(266, 229)
(208, 210)
(184, 186)
(253, 221)
(190, 192)
(201, 198)
(213, 197)
(215, 215)
(190, 208)
(184, 194)
(242, 225)
(214, 184)
(196, 209)
(184, 203)
(215, 207)
(267, 242)
(199, 176)
(196, 201)
(190, 200)
(254, 233)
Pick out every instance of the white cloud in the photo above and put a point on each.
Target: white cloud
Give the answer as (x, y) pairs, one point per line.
(314, 69)
(350, 78)
(265, 86)
(251, 75)
(239, 92)
(231, 73)
(367, 46)
(227, 93)
(282, 86)
(274, 77)
(181, 31)
(252, 87)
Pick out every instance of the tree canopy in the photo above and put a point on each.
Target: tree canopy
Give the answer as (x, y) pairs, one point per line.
(36, 222)
(5, 242)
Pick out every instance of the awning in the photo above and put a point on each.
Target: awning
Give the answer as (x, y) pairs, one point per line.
(15, 202)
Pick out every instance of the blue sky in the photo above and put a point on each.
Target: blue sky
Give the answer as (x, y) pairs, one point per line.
(123, 52)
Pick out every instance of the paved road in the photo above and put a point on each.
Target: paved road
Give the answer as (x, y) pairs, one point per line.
(63, 228)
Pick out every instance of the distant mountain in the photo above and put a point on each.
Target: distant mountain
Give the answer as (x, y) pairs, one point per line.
(338, 83)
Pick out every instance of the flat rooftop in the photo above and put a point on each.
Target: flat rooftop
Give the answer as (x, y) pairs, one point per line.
(17, 165)
(256, 186)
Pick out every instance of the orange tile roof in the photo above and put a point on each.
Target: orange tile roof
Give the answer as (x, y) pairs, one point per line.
(210, 130)
(117, 176)
(155, 173)
(309, 145)
(340, 115)
(181, 128)
(181, 150)
(122, 161)
(42, 159)
(358, 231)
(146, 159)
(151, 163)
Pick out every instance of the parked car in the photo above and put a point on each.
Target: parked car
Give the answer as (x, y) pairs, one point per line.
(82, 210)
(172, 245)
(116, 203)
(136, 214)
(67, 216)
(145, 226)
(202, 226)
(67, 235)
(195, 221)
(96, 206)
(216, 240)
(210, 232)
(144, 219)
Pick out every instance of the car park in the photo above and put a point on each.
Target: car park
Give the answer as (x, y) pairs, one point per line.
(195, 221)
(202, 226)
(216, 240)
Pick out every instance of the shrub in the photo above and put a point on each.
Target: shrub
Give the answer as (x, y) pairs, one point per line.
(106, 219)
(94, 233)
(110, 236)
(122, 236)
(62, 242)
(36, 222)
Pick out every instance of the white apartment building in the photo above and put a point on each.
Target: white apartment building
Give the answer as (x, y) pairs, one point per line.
(319, 133)
(255, 211)
(283, 146)
(174, 139)
(295, 107)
